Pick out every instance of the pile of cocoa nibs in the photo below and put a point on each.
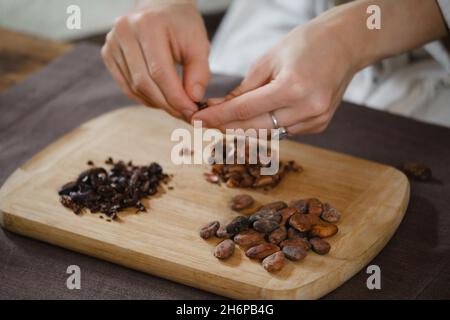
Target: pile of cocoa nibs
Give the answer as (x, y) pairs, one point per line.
(248, 175)
(108, 192)
(276, 231)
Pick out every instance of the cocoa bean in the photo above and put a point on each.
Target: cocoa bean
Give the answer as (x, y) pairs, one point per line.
(224, 250)
(275, 262)
(296, 242)
(323, 230)
(241, 201)
(222, 233)
(263, 181)
(262, 250)
(209, 230)
(301, 222)
(238, 224)
(249, 238)
(278, 235)
(315, 207)
(286, 214)
(265, 225)
(294, 233)
(276, 206)
(320, 246)
(300, 205)
(294, 253)
(265, 215)
(330, 214)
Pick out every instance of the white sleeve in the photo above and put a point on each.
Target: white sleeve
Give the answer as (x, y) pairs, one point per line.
(445, 9)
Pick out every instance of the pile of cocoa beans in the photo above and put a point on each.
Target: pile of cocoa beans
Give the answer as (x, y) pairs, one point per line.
(275, 231)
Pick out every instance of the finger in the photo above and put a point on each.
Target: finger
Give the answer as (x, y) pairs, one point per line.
(313, 126)
(196, 75)
(258, 76)
(160, 66)
(117, 75)
(241, 108)
(140, 80)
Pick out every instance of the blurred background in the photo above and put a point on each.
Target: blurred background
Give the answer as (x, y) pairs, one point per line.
(415, 85)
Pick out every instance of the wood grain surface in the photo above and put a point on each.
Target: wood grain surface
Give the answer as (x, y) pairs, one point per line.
(164, 241)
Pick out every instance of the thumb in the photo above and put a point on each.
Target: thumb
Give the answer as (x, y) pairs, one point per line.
(196, 76)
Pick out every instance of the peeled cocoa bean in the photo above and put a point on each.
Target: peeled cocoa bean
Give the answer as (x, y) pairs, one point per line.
(249, 238)
(275, 262)
(262, 250)
(238, 224)
(330, 214)
(209, 230)
(286, 214)
(301, 222)
(222, 233)
(300, 205)
(296, 242)
(323, 230)
(265, 225)
(294, 233)
(315, 207)
(278, 235)
(294, 253)
(241, 202)
(224, 250)
(320, 246)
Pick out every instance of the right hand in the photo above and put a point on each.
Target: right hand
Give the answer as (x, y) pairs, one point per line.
(143, 47)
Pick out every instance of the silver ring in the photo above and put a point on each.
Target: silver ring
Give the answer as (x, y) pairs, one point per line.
(274, 120)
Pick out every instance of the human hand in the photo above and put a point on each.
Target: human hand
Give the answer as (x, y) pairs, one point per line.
(143, 47)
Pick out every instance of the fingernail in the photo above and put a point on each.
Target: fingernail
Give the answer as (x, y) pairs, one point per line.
(198, 92)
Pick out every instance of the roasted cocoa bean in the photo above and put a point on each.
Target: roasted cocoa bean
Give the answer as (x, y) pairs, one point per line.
(294, 233)
(238, 224)
(262, 250)
(300, 205)
(330, 214)
(209, 230)
(249, 238)
(278, 235)
(225, 249)
(323, 230)
(264, 181)
(275, 217)
(320, 246)
(241, 202)
(315, 207)
(294, 253)
(275, 262)
(265, 225)
(273, 206)
(296, 242)
(222, 233)
(301, 222)
(286, 214)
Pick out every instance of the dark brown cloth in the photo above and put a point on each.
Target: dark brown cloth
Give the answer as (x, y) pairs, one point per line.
(76, 88)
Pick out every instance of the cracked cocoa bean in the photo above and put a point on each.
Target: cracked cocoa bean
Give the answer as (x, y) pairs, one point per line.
(301, 222)
(238, 224)
(278, 235)
(296, 242)
(265, 225)
(294, 253)
(241, 202)
(209, 230)
(249, 238)
(275, 262)
(323, 230)
(262, 250)
(225, 249)
(320, 246)
(330, 214)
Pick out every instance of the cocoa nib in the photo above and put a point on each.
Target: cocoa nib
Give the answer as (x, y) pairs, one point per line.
(108, 192)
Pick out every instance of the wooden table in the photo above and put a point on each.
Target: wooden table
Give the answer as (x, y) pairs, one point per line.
(21, 55)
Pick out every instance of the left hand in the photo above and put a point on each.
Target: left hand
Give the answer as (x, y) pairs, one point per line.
(301, 80)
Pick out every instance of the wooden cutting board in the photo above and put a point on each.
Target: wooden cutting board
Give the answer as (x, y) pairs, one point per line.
(165, 242)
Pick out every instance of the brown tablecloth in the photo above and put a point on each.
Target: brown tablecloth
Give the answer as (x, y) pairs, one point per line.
(76, 88)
